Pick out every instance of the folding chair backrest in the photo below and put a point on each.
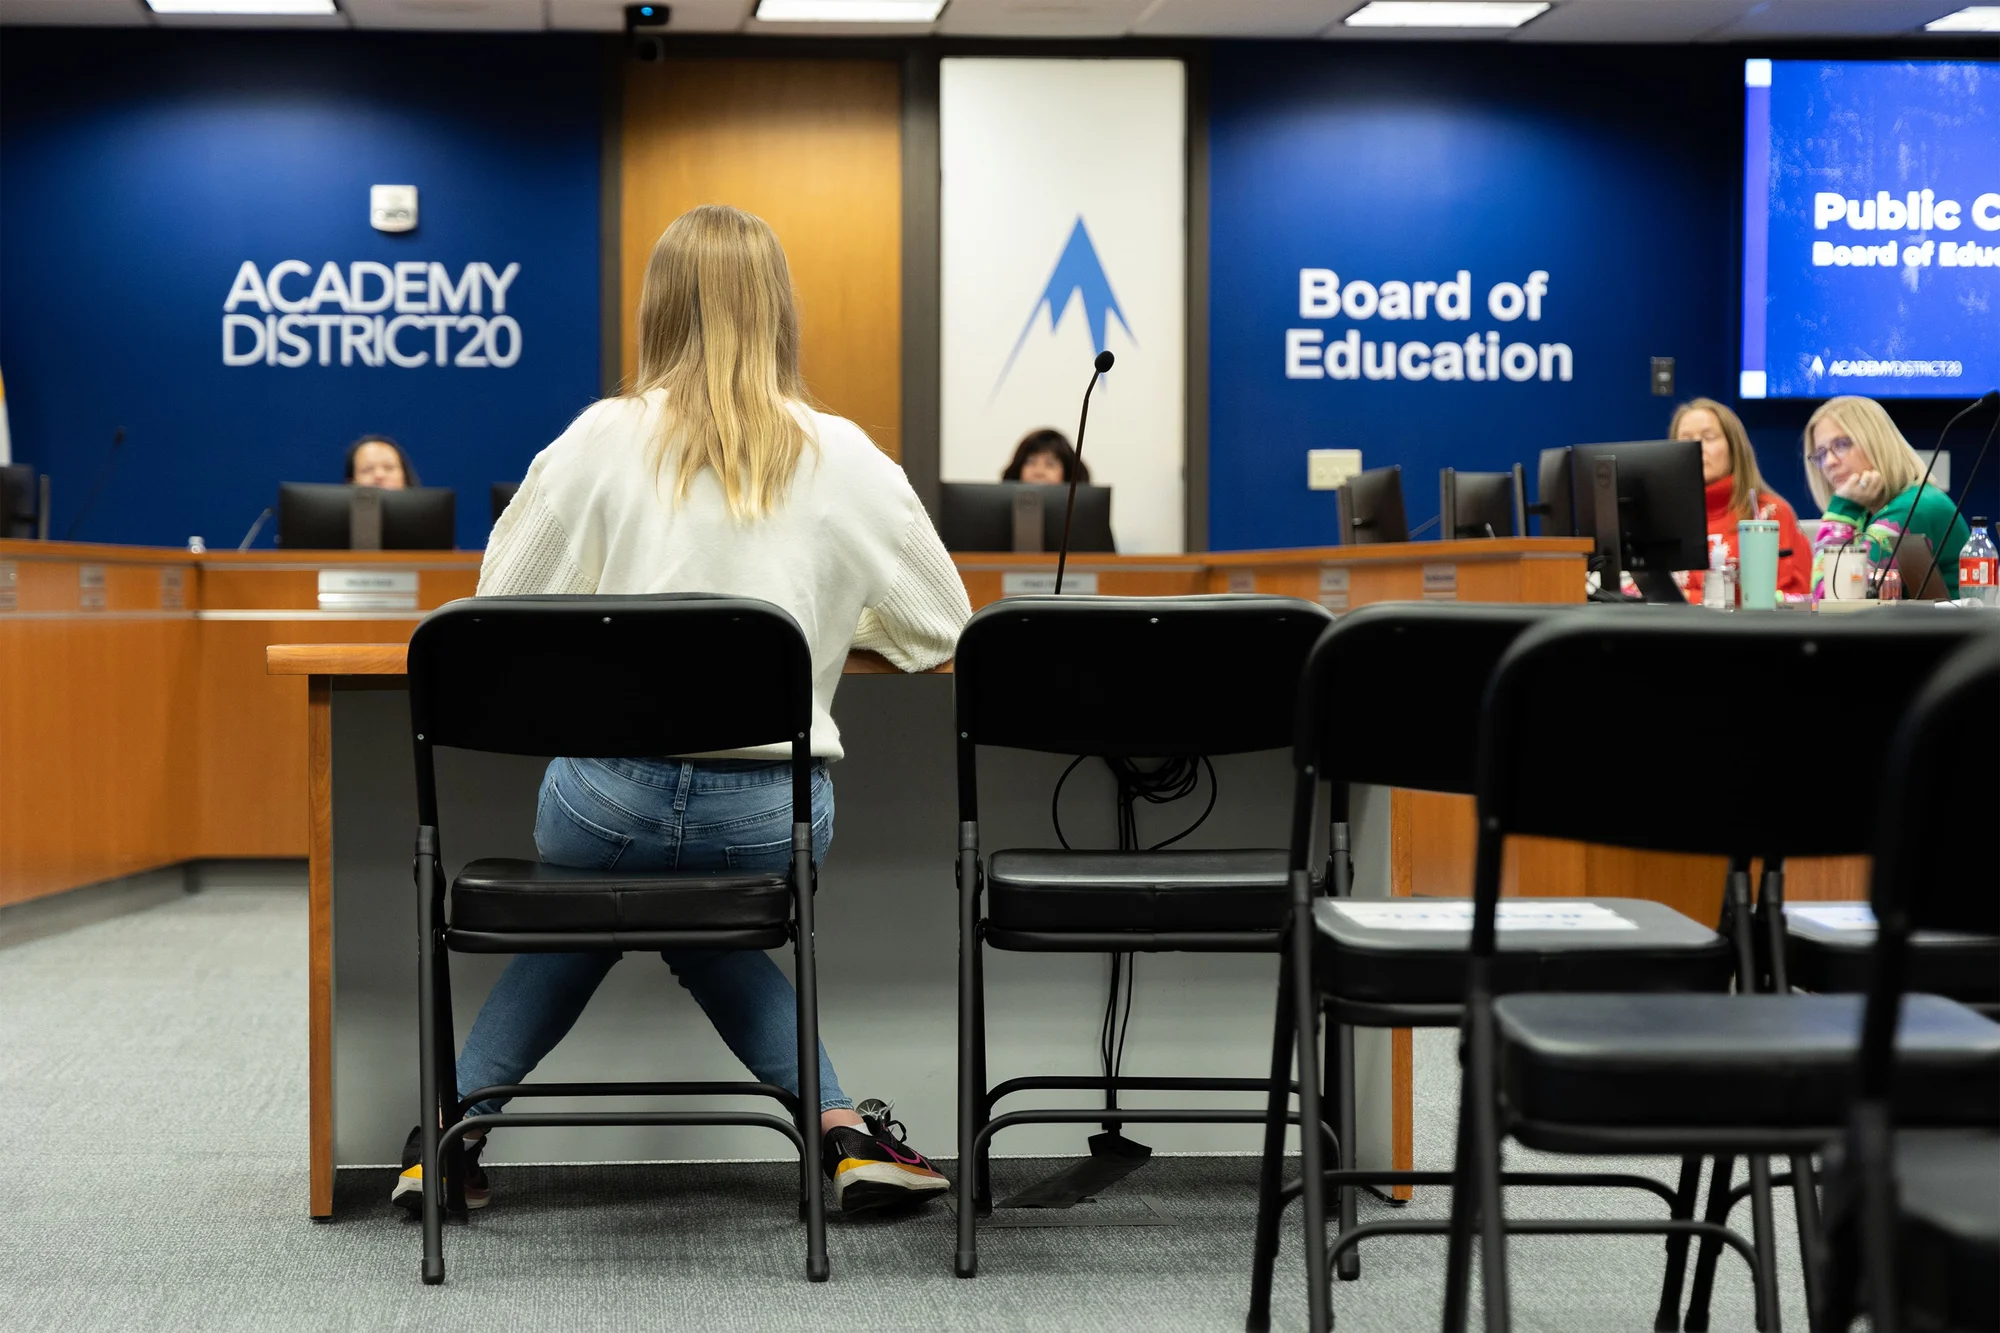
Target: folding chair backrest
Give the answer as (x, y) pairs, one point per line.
(1681, 729)
(1137, 677)
(609, 677)
(1937, 846)
(1391, 692)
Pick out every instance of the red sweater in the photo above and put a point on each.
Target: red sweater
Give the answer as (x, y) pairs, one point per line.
(1794, 549)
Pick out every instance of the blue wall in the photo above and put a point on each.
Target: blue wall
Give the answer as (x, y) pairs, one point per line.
(1614, 172)
(139, 170)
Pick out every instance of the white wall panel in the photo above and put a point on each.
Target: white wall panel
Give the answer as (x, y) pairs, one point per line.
(1064, 220)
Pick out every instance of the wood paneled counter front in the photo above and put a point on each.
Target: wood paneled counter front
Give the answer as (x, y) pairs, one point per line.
(139, 726)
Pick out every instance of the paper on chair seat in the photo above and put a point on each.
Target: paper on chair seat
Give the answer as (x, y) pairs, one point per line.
(1834, 916)
(1416, 914)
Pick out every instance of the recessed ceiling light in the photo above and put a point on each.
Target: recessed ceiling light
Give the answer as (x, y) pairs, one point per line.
(1973, 18)
(848, 11)
(1445, 13)
(243, 7)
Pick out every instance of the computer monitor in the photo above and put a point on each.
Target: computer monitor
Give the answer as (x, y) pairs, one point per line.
(21, 502)
(330, 517)
(502, 496)
(1371, 507)
(1662, 515)
(1482, 504)
(1022, 516)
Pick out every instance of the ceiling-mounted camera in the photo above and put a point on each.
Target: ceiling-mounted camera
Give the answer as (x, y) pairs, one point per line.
(642, 24)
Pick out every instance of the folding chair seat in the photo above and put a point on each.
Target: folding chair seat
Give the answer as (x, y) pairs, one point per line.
(1397, 953)
(1913, 1215)
(507, 897)
(1829, 947)
(1125, 678)
(1745, 1074)
(607, 678)
(1145, 893)
(1784, 1062)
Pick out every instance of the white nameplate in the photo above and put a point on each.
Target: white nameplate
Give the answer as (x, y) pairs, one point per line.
(173, 590)
(368, 590)
(1440, 583)
(1242, 580)
(1834, 916)
(1034, 583)
(10, 586)
(1416, 914)
(1333, 587)
(90, 587)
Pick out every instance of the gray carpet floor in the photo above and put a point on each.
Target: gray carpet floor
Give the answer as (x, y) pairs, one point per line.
(152, 1176)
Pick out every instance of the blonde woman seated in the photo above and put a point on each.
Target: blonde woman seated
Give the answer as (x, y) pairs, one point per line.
(715, 475)
(1736, 490)
(1867, 478)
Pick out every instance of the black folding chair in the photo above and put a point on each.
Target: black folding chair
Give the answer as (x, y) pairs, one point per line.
(1913, 1215)
(1390, 696)
(1123, 678)
(604, 678)
(1617, 1072)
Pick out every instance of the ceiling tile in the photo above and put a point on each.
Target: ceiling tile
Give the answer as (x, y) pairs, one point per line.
(1041, 18)
(1838, 18)
(1634, 20)
(78, 13)
(1235, 18)
(503, 15)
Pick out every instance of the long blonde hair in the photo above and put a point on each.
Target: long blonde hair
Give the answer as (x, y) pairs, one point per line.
(719, 331)
(1864, 422)
(1742, 458)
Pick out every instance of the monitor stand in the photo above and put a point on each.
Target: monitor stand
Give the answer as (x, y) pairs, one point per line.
(1608, 558)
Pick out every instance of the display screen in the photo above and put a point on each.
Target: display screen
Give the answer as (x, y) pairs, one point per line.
(1871, 228)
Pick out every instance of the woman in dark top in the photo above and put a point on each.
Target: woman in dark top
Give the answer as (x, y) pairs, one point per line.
(1045, 456)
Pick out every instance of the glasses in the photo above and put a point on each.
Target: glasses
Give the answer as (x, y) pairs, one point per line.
(1835, 448)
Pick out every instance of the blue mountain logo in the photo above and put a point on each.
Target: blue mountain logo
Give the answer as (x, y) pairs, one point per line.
(1078, 272)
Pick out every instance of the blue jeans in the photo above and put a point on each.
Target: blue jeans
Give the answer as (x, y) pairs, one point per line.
(659, 814)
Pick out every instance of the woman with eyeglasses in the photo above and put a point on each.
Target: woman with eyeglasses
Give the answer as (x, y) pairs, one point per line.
(1870, 482)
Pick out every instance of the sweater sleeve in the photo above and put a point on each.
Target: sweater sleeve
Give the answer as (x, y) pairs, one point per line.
(530, 551)
(916, 622)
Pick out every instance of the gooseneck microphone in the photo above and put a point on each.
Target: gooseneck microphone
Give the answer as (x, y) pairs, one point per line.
(255, 528)
(1102, 364)
(97, 487)
(1989, 398)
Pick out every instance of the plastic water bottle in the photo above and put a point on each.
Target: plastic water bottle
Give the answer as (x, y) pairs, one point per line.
(1977, 573)
(1718, 589)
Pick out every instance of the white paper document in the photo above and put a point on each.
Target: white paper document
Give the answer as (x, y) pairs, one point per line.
(1834, 916)
(1417, 914)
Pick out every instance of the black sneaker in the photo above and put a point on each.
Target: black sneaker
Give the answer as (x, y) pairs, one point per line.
(409, 1192)
(872, 1165)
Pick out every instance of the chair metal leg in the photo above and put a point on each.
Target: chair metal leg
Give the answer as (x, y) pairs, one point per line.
(1805, 1204)
(1458, 1251)
(1312, 1155)
(970, 1095)
(1348, 1266)
(1763, 1236)
(1486, 1167)
(1668, 1318)
(1704, 1264)
(807, 974)
(983, 1182)
(429, 1099)
(1264, 1251)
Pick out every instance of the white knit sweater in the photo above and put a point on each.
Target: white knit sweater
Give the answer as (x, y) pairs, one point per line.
(850, 552)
